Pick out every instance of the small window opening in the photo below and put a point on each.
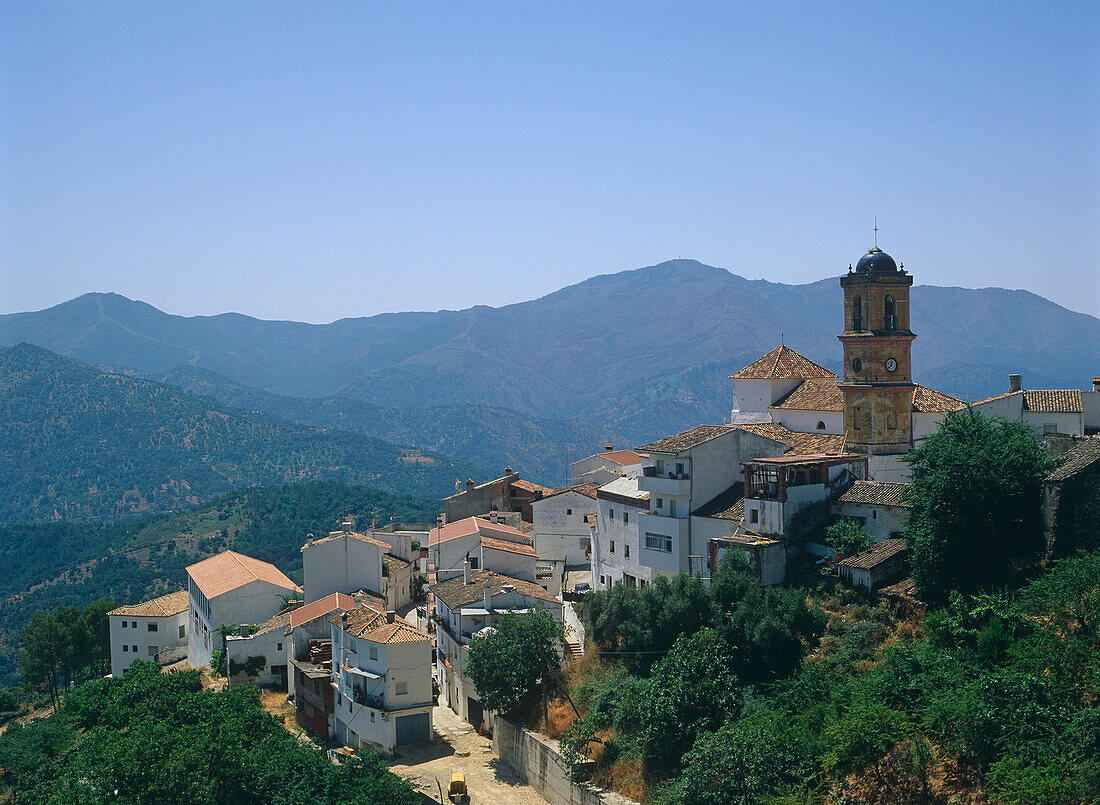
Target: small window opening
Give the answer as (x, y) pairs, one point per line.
(891, 313)
(857, 313)
(820, 425)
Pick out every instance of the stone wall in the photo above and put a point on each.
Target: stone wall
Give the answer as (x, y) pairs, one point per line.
(535, 758)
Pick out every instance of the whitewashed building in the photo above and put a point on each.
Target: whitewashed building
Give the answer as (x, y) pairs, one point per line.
(342, 562)
(142, 631)
(260, 654)
(382, 675)
(616, 556)
(230, 589)
(1068, 411)
(606, 466)
(465, 605)
(882, 508)
(561, 533)
(486, 544)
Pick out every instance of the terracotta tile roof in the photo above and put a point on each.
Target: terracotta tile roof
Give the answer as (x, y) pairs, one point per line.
(624, 458)
(782, 363)
(807, 443)
(1066, 401)
(687, 439)
(730, 505)
(877, 494)
(815, 394)
(455, 594)
(394, 564)
(521, 548)
(274, 623)
(229, 570)
(162, 607)
(353, 535)
(930, 401)
(320, 608)
(1077, 459)
(589, 490)
(473, 525)
(360, 620)
(399, 631)
(529, 486)
(875, 555)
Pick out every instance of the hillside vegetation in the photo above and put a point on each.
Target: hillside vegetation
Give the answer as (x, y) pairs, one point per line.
(82, 444)
(644, 352)
(47, 565)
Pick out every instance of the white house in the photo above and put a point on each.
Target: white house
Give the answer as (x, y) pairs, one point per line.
(382, 675)
(606, 466)
(561, 533)
(141, 631)
(342, 562)
(883, 508)
(260, 654)
(616, 557)
(1069, 411)
(230, 589)
(487, 544)
(311, 660)
(465, 605)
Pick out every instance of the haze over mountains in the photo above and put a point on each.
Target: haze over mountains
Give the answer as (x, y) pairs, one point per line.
(641, 353)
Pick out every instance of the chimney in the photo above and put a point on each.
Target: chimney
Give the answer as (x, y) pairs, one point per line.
(487, 596)
(391, 616)
(344, 620)
(245, 629)
(507, 470)
(347, 526)
(309, 539)
(1096, 384)
(469, 483)
(493, 516)
(1015, 383)
(607, 448)
(466, 571)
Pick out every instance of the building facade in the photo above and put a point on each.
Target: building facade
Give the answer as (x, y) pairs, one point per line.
(143, 631)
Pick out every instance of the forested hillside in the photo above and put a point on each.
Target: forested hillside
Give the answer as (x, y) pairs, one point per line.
(493, 437)
(47, 565)
(82, 444)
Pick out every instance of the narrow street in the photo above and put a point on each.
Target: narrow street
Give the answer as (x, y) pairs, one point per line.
(458, 748)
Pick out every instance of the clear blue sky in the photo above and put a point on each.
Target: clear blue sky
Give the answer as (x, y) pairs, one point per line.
(313, 161)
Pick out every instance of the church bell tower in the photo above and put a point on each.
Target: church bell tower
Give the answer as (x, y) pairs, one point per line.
(878, 377)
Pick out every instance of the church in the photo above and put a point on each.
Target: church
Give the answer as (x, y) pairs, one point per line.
(876, 407)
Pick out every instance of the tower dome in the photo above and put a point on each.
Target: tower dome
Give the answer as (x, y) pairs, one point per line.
(876, 261)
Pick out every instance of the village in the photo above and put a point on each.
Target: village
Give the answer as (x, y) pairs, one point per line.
(371, 650)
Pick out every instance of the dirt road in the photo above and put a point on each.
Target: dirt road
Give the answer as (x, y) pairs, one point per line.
(459, 749)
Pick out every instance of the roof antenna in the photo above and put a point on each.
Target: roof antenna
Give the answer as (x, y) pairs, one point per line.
(876, 231)
(781, 339)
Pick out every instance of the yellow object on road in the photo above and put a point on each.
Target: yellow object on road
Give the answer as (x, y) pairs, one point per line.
(457, 791)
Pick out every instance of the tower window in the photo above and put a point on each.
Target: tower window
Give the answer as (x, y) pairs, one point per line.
(820, 425)
(857, 313)
(891, 313)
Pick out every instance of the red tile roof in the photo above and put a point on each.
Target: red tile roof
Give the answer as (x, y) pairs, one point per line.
(504, 545)
(877, 493)
(353, 535)
(782, 363)
(162, 607)
(830, 444)
(473, 525)
(687, 439)
(1055, 401)
(589, 490)
(815, 394)
(360, 620)
(229, 570)
(875, 555)
(1077, 459)
(397, 632)
(321, 607)
(930, 401)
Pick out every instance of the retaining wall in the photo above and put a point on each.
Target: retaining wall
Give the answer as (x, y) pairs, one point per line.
(536, 758)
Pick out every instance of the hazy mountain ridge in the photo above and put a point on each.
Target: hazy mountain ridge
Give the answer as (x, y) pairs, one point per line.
(83, 444)
(643, 352)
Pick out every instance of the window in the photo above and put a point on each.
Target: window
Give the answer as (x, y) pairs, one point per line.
(754, 516)
(153, 651)
(371, 714)
(610, 514)
(152, 627)
(183, 631)
(133, 649)
(874, 514)
(658, 542)
(671, 508)
(353, 647)
(612, 546)
(660, 466)
(278, 646)
(401, 688)
(857, 313)
(891, 313)
(133, 624)
(125, 649)
(679, 470)
(568, 511)
(660, 503)
(820, 425)
(474, 562)
(626, 550)
(373, 652)
(1050, 427)
(124, 624)
(626, 517)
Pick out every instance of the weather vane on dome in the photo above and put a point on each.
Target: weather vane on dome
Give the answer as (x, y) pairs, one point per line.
(876, 231)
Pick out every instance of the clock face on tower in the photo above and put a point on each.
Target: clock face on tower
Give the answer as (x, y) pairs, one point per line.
(891, 365)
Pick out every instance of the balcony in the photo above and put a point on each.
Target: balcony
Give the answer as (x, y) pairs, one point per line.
(669, 484)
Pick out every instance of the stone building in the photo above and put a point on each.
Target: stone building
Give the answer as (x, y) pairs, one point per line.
(1071, 500)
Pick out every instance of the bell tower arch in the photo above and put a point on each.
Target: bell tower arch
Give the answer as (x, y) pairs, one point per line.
(878, 376)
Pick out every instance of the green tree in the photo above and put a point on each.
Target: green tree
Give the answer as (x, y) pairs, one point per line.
(848, 536)
(976, 503)
(863, 736)
(511, 667)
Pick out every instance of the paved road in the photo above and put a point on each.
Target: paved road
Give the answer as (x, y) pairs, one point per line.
(458, 748)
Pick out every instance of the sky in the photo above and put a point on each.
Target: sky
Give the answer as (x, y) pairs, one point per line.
(314, 161)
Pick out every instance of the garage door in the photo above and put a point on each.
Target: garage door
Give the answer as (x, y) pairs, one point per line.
(413, 729)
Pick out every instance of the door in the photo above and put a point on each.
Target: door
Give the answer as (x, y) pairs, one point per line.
(473, 707)
(413, 729)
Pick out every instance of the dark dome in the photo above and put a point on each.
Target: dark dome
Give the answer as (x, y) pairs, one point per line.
(876, 261)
